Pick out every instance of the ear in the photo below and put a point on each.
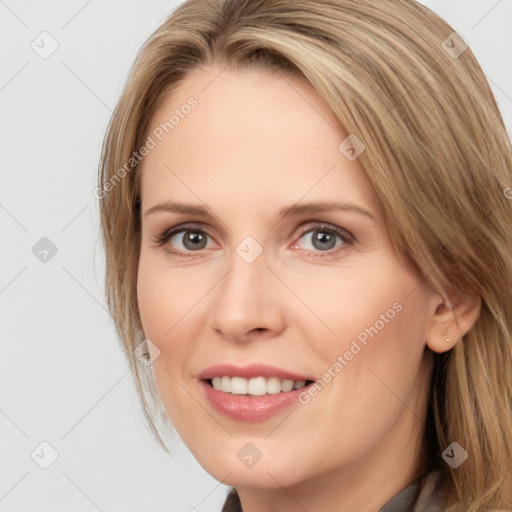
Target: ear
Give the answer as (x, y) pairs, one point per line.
(452, 319)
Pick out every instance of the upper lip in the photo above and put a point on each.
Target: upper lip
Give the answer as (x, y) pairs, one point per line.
(250, 371)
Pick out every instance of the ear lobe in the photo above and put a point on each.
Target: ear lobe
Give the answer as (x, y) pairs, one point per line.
(451, 321)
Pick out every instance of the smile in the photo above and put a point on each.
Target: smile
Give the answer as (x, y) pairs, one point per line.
(257, 386)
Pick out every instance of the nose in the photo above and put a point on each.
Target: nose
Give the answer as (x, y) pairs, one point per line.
(248, 302)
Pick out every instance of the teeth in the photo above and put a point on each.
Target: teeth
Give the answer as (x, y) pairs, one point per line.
(225, 382)
(257, 386)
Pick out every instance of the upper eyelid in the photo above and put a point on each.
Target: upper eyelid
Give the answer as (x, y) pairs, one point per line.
(207, 229)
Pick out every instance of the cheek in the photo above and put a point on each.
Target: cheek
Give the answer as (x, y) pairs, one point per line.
(166, 296)
(169, 301)
(379, 318)
(364, 303)
(162, 302)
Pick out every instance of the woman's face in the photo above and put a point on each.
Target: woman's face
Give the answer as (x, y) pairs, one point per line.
(314, 294)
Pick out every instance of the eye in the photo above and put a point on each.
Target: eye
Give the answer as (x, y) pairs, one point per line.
(325, 238)
(183, 240)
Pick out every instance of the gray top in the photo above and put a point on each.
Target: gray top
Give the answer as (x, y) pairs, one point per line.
(422, 495)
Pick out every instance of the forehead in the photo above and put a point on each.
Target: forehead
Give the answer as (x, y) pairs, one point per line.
(250, 132)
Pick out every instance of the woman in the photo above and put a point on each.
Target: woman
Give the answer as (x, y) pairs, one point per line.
(306, 213)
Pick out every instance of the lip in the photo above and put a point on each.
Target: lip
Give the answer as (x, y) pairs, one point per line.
(250, 371)
(250, 408)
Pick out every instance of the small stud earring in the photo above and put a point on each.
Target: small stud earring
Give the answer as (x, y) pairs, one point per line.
(448, 340)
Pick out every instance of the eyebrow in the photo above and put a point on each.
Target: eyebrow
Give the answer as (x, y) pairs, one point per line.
(295, 209)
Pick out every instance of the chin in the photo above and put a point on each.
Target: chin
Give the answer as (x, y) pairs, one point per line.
(271, 471)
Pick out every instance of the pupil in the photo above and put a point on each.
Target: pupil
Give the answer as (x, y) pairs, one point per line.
(324, 239)
(192, 239)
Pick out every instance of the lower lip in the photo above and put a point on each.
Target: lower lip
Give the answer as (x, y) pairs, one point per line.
(250, 408)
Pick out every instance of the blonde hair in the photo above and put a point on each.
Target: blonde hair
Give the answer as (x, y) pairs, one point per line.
(437, 154)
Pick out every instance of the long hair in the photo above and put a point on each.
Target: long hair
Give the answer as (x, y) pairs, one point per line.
(437, 154)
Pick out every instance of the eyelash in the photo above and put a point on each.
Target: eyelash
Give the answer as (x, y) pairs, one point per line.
(347, 238)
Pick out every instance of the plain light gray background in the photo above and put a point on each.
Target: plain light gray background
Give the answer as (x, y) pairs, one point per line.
(63, 377)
